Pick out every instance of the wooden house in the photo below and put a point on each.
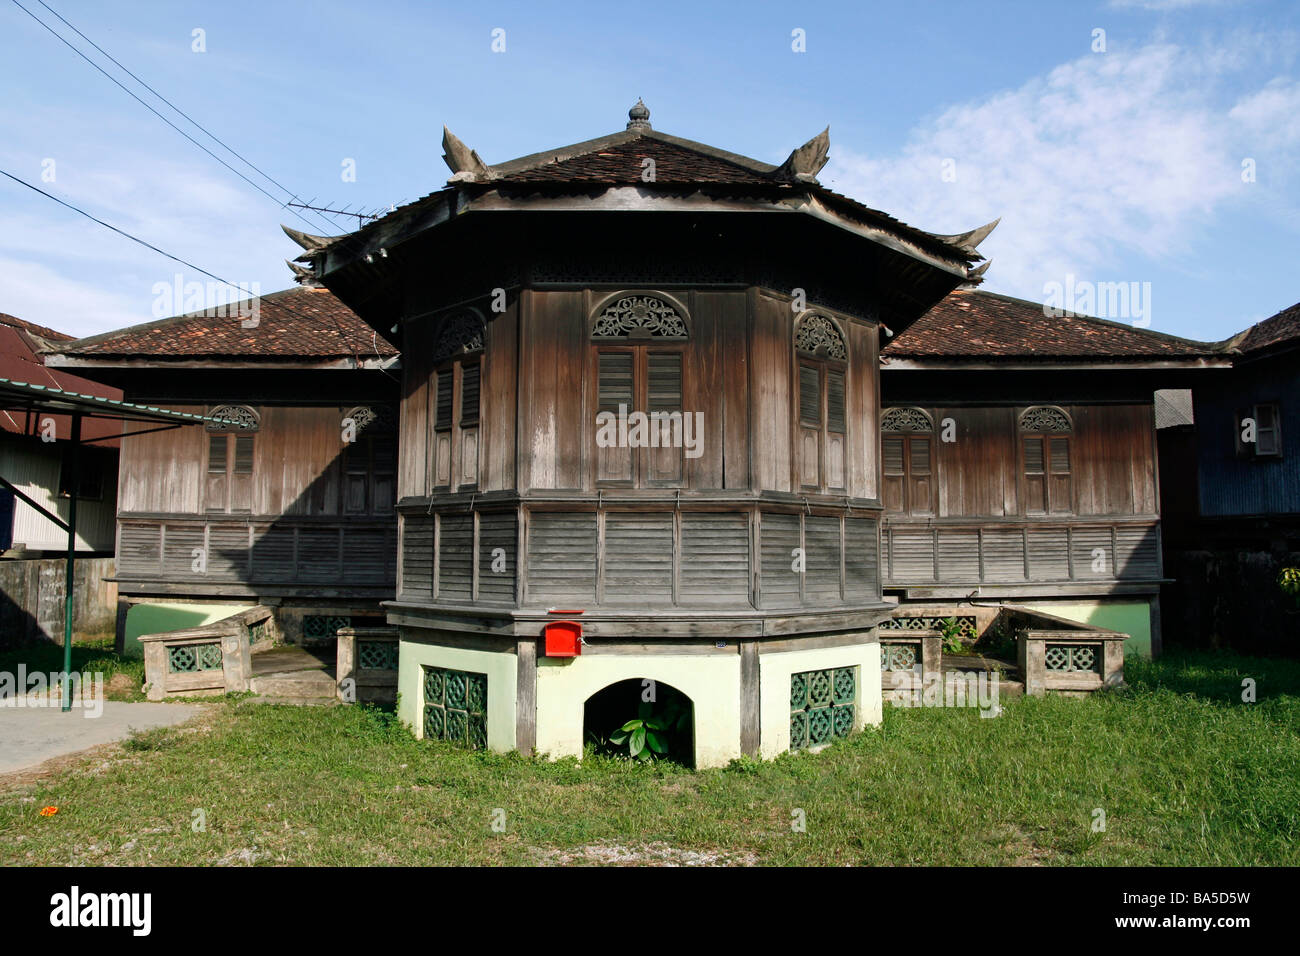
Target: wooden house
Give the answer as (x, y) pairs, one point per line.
(1238, 524)
(640, 396)
(1019, 463)
(292, 505)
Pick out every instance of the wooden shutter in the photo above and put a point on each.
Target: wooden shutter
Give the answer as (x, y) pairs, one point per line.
(613, 389)
(469, 394)
(1058, 466)
(442, 414)
(241, 474)
(664, 394)
(836, 418)
(894, 448)
(215, 492)
(919, 475)
(1035, 477)
(1268, 439)
(810, 396)
(441, 450)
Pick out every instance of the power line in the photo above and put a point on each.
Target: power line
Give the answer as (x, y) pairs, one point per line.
(191, 119)
(133, 96)
(148, 245)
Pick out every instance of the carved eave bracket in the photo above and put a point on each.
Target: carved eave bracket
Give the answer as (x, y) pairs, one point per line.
(465, 164)
(969, 241)
(806, 162)
(303, 275)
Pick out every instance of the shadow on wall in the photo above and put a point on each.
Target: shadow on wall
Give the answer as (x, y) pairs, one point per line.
(155, 618)
(18, 628)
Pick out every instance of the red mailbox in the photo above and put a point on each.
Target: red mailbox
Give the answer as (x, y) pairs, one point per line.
(563, 638)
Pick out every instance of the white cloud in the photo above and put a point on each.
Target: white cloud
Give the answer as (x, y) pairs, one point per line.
(1107, 159)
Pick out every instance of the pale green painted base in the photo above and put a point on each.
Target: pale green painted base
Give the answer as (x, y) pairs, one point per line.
(501, 669)
(156, 618)
(712, 684)
(1128, 617)
(775, 671)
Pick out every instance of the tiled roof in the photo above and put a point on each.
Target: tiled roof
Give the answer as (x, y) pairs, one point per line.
(985, 325)
(38, 330)
(300, 323)
(1283, 327)
(624, 163)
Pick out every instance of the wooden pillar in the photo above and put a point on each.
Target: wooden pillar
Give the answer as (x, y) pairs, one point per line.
(750, 712)
(526, 696)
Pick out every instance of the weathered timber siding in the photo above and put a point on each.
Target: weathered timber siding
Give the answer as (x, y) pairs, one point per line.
(32, 600)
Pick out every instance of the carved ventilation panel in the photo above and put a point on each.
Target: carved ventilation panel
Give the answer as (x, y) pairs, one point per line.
(818, 336)
(640, 317)
(372, 419)
(240, 418)
(1044, 418)
(461, 334)
(905, 419)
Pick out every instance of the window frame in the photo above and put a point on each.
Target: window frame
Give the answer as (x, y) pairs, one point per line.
(1249, 451)
(825, 366)
(909, 477)
(1045, 437)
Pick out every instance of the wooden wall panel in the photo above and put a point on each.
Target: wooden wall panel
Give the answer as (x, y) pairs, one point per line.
(706, 359)
(552, 430)
(500, 401)
(976, 472)
(413, 434)
(163, 471)
(772, 346)
(733, 320)
(863, 401)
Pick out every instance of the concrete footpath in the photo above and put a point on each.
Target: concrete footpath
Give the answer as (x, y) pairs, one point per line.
(32, 735)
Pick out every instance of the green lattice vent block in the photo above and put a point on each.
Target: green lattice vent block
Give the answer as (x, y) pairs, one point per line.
(258, 631)
(967, 624)
(191, 658)
(455, 707)
(899, 657)
(377, 655)
(323, 626)
(1070, 658)
(821, 706)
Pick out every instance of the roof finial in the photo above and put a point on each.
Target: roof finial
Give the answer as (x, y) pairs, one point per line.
(638, 117)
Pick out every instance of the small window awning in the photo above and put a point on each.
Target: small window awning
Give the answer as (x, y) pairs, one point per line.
(26, 397)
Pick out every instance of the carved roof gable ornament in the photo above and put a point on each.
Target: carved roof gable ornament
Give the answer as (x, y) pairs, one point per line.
(640, 316)
(807, 161)
(905, 418)
(235, 418)
(1044, 418)
(465, 164)
(818, 336)
(461, 334)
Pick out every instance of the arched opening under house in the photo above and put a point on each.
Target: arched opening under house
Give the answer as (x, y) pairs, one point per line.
(664, 716)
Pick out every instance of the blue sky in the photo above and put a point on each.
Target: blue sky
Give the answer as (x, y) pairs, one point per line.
(1122, 165)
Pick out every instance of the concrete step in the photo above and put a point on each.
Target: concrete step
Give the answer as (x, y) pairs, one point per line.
(298, 684)
(295, 701)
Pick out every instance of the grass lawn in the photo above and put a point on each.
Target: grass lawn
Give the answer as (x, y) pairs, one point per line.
(1185, 772)
(123, 676)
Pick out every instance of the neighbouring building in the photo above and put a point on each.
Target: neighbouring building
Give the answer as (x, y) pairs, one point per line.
(1020, 464)
(33, 456)
(1238, 521)
(291, 505)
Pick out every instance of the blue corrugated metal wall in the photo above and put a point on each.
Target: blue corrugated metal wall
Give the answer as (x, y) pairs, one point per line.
(1232, 486)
